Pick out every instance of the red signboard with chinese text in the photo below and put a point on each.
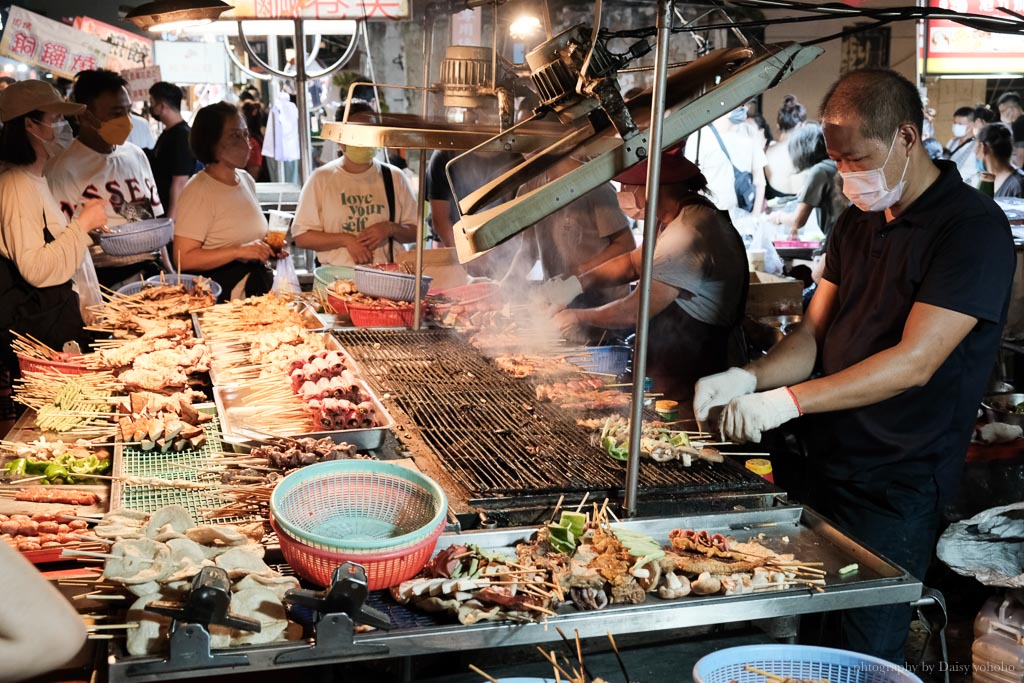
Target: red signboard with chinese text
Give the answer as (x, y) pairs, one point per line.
(127, 50)
(954, 49)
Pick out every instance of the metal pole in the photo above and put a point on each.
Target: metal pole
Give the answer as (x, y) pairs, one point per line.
(650, 231)
(305, 153)
(421, 215)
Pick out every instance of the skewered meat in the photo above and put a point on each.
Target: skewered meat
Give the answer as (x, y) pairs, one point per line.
(521, 366)
(63, 495)
(583, 395)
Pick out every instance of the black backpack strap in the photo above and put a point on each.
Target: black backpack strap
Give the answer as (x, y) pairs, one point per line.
(389, 193)
(721, 143)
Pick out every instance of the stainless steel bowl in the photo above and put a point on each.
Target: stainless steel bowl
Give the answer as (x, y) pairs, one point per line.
(999, 408)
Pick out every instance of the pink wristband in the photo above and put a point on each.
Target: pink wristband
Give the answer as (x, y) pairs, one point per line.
(795, 402)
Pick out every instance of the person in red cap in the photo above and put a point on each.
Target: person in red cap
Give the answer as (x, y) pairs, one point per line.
(699, 283)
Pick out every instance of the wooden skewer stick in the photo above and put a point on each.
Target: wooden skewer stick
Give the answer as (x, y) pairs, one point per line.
(103, 556)
(762, 672)
(622, 664)
(481, 672)
(111, 627)
(583, 502)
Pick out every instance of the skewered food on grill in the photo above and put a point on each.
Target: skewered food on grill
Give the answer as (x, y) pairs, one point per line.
(38, 494)
(522, 366)
(582, 395)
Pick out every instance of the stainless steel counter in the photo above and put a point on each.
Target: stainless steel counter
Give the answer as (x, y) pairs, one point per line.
(795, 529)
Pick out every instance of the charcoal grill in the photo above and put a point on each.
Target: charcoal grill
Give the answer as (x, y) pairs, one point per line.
(505, 448)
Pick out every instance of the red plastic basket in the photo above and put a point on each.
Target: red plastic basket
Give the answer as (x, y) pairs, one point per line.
(35, 365)
(381, 316)
(383, 570)
(340, 306)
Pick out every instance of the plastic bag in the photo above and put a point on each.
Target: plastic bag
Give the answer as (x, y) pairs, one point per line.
(88, 285)
(757, 233)
(286, 282)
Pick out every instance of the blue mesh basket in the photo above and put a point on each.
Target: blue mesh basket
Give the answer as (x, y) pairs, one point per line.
(169, 279)
(609, 360)
(358, 506)
(802, 662)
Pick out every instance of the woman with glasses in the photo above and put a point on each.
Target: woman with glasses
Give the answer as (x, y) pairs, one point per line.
(220, 229)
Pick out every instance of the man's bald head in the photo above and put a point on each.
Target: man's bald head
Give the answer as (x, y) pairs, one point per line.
(881, 99)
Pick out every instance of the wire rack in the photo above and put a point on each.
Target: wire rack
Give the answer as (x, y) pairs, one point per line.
(185, 465)
(492, 435)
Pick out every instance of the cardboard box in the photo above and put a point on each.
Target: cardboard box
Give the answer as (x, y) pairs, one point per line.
(441, 264)
(774, 295)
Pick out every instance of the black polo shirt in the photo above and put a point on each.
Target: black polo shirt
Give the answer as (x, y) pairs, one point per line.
(952, 248)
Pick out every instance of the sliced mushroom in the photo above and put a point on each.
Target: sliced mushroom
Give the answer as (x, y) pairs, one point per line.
(706, 584)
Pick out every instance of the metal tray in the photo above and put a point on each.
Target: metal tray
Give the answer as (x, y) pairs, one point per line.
(234, 414)
(309, 317)
(811, 538)
(221, 377)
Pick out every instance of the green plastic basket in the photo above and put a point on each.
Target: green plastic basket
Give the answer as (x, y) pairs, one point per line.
(326, 275)
(353, 506)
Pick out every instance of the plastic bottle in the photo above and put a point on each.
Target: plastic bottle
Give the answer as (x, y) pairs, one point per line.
(648, 388)
(998, 652)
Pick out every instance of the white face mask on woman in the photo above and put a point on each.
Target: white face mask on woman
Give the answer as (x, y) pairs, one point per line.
(62, 138)
(869, 190)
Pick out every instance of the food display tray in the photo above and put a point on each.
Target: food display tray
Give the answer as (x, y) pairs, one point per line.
(794, 529)
(309, 316)
(129, 461)
(240, 421)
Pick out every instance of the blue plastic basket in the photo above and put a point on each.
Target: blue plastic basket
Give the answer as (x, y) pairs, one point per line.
(353, 506)
(610, 360)
(797, 661)
(168, 279)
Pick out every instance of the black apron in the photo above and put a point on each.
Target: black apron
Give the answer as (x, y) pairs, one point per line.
(50, 314)
(261, 279)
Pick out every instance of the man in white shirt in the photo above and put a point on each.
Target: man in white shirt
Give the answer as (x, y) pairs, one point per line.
(101, 163)
(744, 151)
(344, 212)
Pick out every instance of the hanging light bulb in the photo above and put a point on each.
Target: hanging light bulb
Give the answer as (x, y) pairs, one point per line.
(525, 27)
(173, 15)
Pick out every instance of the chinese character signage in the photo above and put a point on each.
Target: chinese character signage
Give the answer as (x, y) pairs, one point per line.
(868, 48)
(127, 50)
(950, 48)
(318, 9)
(35, 40)
(139, 81)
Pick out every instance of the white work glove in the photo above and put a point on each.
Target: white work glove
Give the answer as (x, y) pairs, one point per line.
(717, 390)
(559, 292)
(747, 417)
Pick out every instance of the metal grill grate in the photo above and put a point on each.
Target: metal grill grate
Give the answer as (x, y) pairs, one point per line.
(490, 432)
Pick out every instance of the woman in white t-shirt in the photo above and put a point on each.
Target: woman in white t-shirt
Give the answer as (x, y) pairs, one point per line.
(39, 249)
(220, 229)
